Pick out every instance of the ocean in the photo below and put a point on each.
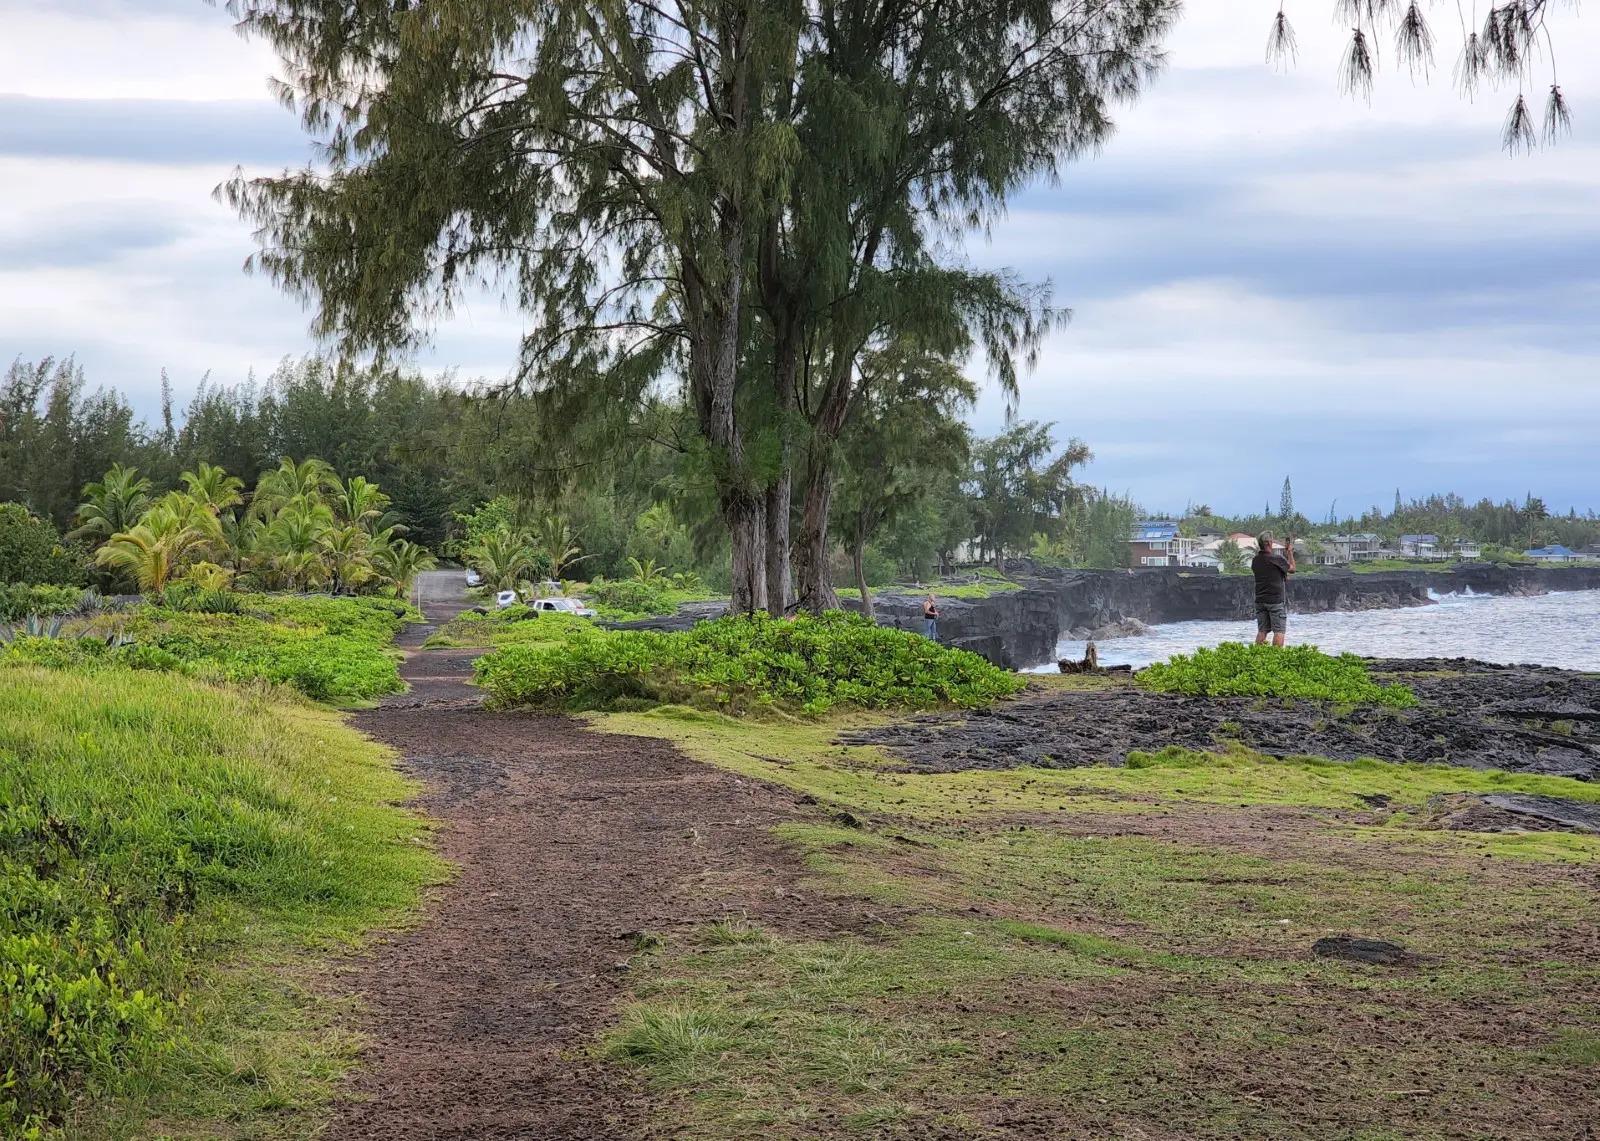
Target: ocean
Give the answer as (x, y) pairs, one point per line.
(1551, 629)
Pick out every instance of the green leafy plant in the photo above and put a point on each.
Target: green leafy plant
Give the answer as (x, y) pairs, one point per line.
(1236, 670)
(810, 664)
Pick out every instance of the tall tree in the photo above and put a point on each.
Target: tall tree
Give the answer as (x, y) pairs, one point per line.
(1286, 501)
(636, 165)
(906, 435)
(1021, 488)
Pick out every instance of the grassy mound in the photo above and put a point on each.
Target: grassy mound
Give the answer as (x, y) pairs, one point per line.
(808, 664)
(147, 822)
(330, 649)
(1237, 670)
(513, 626)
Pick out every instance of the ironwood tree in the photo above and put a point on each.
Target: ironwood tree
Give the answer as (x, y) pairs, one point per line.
(741, 194)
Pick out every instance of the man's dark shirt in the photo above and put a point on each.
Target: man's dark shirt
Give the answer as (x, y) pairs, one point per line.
(1272, 571)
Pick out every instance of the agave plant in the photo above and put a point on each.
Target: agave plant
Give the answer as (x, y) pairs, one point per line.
(32, 626)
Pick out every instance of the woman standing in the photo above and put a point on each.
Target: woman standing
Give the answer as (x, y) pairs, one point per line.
(930, 618)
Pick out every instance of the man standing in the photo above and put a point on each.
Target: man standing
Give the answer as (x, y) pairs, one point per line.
(1272, 571)
(930, 618)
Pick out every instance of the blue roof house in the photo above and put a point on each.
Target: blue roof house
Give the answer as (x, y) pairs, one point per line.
(1156, 543)
(1554, 553)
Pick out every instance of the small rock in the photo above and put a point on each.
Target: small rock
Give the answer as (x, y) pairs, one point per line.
(1364, 951)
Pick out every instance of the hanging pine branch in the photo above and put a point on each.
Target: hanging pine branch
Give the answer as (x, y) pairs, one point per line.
(1514, 45)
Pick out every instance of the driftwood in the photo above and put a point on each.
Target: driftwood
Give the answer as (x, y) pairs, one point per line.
(1090, 664)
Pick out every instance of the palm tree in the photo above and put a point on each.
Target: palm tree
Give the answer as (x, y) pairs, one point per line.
(501, 556)
(112, 505)
(400, 561)
(214, 487)
(293, 541)
(359, 501)
(289, 481)
(168, 536)
(347, 554)
(559, 544)
(646, 573)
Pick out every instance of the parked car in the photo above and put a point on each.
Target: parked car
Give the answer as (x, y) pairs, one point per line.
(562, 606)
(506, 598)
(474, 578)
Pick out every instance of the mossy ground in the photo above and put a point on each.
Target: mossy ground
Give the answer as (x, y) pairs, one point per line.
(1125, 952)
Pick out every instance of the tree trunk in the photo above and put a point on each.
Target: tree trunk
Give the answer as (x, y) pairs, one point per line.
(811, 545)
(861, 573)
(744, 515)
(780, 584)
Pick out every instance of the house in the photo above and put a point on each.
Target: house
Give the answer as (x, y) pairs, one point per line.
(1554, 553)
(1314, 553)
(1468, 549)
(1247, 544)
(1156, 543)
(1420, 547)
(1357, 548)
(1591, 553)
(1207, 559)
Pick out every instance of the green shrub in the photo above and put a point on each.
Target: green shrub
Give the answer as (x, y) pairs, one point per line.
(140, 815)
(17, 601)
(32, 552)
(627, 598)
(810, 664)
(330, 649)
(1237, 670)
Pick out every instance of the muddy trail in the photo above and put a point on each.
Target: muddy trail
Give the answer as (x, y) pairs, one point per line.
(1526, 719)
(568, 845)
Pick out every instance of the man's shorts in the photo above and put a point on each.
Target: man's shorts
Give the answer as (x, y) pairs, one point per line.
(1273, 619)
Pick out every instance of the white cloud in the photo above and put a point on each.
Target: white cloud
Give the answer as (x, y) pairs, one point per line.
(1267, 276)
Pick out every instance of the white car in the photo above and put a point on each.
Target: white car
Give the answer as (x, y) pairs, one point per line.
(474, 578)
(562, 606)
(506, 598)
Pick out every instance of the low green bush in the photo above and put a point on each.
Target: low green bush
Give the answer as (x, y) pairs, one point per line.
(146, 821)
(17, 601)
(810, 664)
(515, 625)
(330, 649)
(1237, 670)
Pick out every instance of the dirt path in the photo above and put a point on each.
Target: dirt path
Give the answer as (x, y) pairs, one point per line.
(567, 843)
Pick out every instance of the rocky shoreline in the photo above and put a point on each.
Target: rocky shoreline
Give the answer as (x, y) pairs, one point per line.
(1020, 628)
(1477, 715)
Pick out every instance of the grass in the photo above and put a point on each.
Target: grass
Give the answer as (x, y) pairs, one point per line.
(513, 626)
(1124, 952)
(176, 858)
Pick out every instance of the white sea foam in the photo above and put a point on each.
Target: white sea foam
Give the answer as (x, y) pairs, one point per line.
(1551, 629)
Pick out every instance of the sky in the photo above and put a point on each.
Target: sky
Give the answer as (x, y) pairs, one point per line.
(1267, 278)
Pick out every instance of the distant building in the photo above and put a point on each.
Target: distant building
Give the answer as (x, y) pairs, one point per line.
(1357, 548)
(1420, 547)
(1554, 553)
(1468, 549)
(1591, 553)
(1203, 559)
(1156, 543)
(1315, 553)
(1246, 543)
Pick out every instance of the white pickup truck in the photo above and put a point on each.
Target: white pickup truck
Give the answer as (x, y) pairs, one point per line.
(508, 598)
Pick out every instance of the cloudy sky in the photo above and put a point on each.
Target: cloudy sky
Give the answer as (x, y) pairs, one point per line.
(1267, 278)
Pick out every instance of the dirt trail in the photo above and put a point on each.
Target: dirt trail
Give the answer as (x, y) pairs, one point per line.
(568, 843)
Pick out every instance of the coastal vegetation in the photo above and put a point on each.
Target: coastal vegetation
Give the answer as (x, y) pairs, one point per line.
(805, 665)
(175, 857)
(1233, 669)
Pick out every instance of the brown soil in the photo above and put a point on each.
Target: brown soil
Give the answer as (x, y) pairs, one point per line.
(567, 845)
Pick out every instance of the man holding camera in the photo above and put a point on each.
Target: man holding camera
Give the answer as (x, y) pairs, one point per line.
(1272, 570)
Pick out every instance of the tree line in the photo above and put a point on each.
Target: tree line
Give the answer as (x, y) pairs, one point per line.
(915, 489)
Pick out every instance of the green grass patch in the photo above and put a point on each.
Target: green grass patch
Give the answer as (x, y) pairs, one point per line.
(1237, 670)
(164, 843)
(807, 664)
(334, 650)
(1124, 951)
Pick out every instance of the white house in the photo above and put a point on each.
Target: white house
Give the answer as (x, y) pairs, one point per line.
(1554, 553)
(1357, 548)
(1468, 549)
(1420, 547)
